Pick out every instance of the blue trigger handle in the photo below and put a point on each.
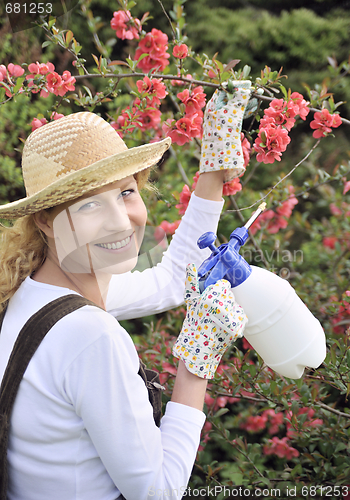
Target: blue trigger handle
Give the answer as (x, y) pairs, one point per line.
(225, 262)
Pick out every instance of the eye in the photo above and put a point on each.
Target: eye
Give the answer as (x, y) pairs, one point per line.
(127, 192)
(88, 206)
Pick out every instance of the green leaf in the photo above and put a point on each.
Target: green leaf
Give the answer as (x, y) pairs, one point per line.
(46, 44)
(88, 91)
(221, 412)
(18, 84)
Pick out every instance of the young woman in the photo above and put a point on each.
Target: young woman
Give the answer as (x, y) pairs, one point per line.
(82, 425)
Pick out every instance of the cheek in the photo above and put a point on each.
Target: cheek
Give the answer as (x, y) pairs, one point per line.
(138, 214)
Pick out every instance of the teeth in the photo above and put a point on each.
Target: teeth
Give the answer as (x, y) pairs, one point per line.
(116, 245)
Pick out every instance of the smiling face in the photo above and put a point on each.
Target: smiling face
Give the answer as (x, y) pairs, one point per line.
(102, 231)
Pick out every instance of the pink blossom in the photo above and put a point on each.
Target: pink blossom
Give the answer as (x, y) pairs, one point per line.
(169, 227)
(287, 206)
(195, 180)
(232, 187)
(270, 143)
(153, 89)
(155, 45)
(246, 148)
(180, 51)
(276, 110)
(329, 241)
(184, 200)
(12, 71)
(60, 85)
(37, 123)
(15, 70)
(39, 69)
(184, 129)
(254, 423)
(275, 420)
(323, 123)
(3, 72)
(125, 26)
(148, 119)
(276, 224)
(56, 116)
(303, 106)
(280, 448)
(258, 223)
(54, 81)
(194, 101)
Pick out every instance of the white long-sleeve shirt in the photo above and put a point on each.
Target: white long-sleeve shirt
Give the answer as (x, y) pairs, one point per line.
(82, 426)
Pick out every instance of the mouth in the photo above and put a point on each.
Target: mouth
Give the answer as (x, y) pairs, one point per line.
(116, 245)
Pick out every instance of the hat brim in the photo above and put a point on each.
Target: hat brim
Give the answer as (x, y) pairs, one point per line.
(94, 176)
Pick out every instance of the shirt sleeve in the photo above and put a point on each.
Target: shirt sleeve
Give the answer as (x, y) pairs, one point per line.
(160, 288)
(143, 461)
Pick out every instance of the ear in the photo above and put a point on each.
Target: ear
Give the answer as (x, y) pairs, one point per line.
(44, 221)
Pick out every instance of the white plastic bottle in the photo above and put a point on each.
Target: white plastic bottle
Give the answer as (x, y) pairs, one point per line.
(280, 327)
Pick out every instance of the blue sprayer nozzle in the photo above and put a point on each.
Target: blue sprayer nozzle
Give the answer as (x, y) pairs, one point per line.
(225, 262)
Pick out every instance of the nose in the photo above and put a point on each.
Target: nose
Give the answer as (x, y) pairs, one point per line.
(117, 217)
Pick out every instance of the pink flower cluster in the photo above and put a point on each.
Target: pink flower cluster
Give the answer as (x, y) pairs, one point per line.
(323, 123)
(144, 112)
(190, 125)
(281, 448)
(274, 221)
(268, 418)
(39, 122)
(7, 75)
(125, 26)
(155, 46)
(273, 422)
(55, 83)
(278, 119)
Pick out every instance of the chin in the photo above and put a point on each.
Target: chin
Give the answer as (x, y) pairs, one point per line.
(120, 267)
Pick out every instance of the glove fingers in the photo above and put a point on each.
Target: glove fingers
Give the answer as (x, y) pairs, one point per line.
(191, 284)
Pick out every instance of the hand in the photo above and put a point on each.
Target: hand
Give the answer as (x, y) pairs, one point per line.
(213, 321)
(221, 143)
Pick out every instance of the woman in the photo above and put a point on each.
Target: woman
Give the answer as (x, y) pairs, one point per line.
(82, 425)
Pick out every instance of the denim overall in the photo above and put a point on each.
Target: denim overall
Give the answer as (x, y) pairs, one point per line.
(25, 346)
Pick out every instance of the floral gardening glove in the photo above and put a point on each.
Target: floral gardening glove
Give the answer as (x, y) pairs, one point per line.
(213, 321)
(221, 143)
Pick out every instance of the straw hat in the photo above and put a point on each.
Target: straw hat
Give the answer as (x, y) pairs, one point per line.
(74, 155)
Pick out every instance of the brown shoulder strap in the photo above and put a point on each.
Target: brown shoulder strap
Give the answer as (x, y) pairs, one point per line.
(28, 340)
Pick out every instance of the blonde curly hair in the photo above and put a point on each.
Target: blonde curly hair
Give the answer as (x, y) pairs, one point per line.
(23, 249)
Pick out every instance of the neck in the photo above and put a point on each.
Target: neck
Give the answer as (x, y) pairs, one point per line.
(89, 285)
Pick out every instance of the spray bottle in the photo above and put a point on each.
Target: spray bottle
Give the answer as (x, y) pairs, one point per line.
(280, 327)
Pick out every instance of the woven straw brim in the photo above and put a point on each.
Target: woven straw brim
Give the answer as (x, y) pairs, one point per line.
(81, 182)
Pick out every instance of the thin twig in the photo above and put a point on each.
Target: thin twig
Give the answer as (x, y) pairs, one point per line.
(168, 18)
(333, 410)
(154, 75)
